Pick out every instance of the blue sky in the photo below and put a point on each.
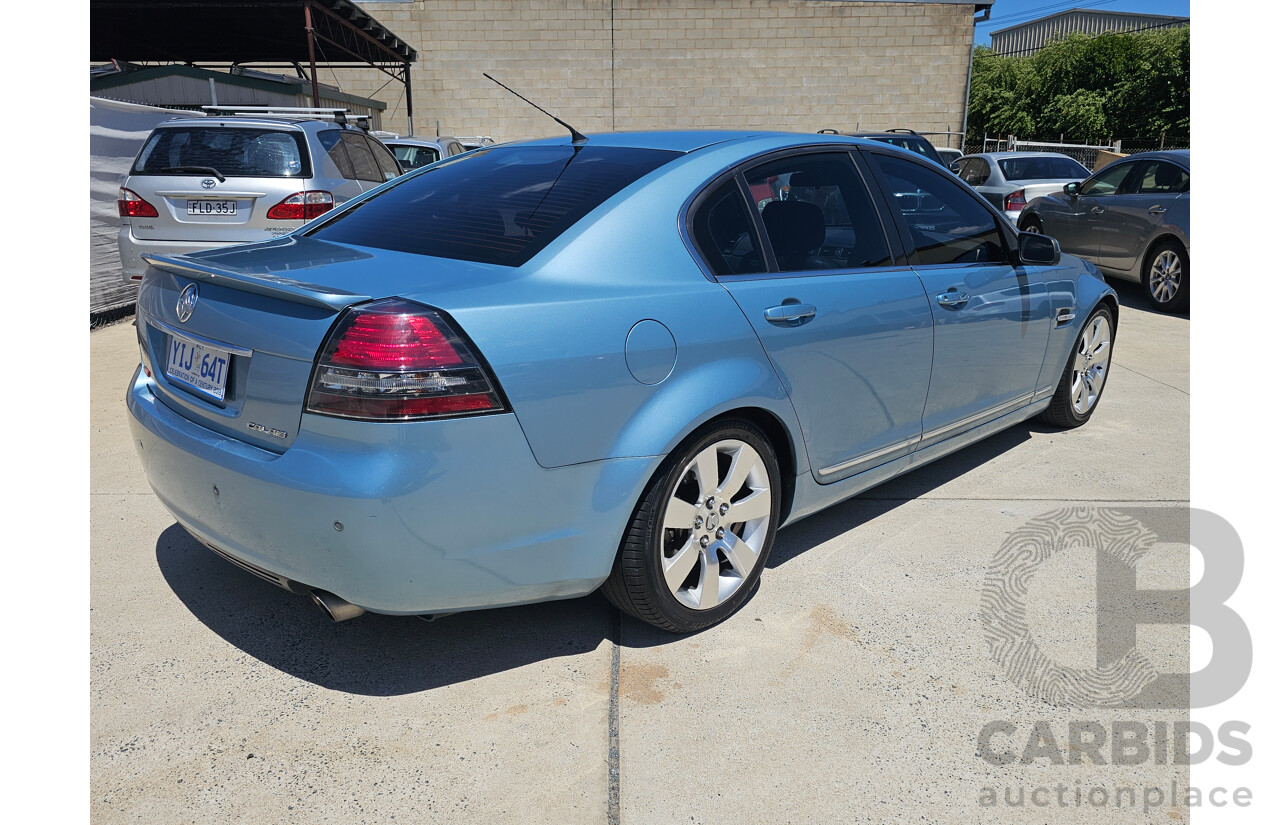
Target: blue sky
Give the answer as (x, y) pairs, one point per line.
(1007, 13)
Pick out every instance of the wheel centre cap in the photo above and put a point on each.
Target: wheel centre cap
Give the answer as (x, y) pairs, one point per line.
(713, 521)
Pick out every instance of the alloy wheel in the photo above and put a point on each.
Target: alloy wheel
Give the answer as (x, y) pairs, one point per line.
(715, 524)
(1089, 369)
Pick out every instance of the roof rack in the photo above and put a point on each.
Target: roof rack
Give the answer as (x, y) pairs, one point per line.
(339, 116)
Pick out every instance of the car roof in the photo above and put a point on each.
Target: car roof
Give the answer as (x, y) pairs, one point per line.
(692, 140)
(257, 122)
(1182, 156)
(1003, 155)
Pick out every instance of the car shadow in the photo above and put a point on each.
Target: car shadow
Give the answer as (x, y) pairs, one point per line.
(377, 655)
(372, 655)
(1133, 297)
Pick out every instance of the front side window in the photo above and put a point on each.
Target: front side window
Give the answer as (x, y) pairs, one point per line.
(1108, 181)
(722, 229)
(817, 213)
(231, 151)
(946, 221)
(499, 206)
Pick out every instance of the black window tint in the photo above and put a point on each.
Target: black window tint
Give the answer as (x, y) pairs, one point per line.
(722, 229)
(361, 158)
(948, 224)
(386, 161)
(976, 172)
(233, 152)
(817, 213)
(1041, 168)
(1160, 178)
(331, 140)
(1108, 181)
(499, 206)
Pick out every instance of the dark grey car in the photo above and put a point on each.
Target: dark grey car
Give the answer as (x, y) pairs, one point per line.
(1132, 218)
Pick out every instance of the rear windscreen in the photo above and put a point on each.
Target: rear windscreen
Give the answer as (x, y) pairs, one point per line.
(1042, 169)
(498, 206)
(230, 151)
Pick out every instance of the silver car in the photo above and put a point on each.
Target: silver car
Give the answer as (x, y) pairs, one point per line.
(1010, 180)
(1133, 219)
(415, 152)
(205, 182)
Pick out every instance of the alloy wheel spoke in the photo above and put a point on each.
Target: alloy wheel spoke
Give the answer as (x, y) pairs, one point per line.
(744, 459)
(709, 593)
(679, 514)
(740, 555)
(757, 505)
(706, 469)
(676, 569)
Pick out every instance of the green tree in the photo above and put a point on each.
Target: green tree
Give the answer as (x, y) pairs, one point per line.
(1133, 84)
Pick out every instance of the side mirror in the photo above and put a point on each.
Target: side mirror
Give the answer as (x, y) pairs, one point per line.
(1072, 189)
(1034, 248)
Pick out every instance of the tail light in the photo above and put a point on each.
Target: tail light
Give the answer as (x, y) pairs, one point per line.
(131, 205)
(1015, 201)
(397, 360)
(301, 206)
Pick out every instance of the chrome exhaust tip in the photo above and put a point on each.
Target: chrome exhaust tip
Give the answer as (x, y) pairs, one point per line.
(338, 609)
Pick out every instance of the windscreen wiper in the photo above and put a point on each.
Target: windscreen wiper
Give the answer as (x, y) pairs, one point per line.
(201, 170)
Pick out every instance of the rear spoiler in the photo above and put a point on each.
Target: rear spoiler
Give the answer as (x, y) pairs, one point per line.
(273, 286)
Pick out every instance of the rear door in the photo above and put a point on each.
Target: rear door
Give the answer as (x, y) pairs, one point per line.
(843, 320)
(990, 318)
(216, 182)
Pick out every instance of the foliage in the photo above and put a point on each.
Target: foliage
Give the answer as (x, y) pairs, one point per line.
(1088, 88)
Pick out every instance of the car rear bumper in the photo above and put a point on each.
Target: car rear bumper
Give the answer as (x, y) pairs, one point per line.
(398, 518)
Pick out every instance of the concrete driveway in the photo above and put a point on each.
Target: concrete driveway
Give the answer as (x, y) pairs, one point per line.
(854, 687)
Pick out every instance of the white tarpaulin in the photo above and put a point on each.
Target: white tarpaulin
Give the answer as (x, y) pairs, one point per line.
(116, 133)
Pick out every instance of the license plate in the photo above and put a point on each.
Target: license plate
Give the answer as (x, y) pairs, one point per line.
(198, 366)
(203, 207)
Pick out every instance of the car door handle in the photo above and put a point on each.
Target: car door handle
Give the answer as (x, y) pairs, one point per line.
(1156, 210)
(790, 315)
(953, 299)
(1098, 210)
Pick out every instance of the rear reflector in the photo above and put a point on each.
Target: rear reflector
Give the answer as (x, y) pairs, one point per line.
(131, 205)
(1015, 201)
(301, 206)
(397, 360)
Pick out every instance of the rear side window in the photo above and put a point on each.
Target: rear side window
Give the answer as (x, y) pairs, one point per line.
(386, 161)
(414, 157)
(818, 215)
(361, 158)
(231, 151)
(498, 206)
(331, 140)
(722, 229)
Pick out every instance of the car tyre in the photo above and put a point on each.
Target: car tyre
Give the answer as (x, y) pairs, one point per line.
(702, 532)
(1080, 388)
(1167, 278)
(1032, 225)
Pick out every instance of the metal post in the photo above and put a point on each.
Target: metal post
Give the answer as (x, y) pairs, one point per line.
(408, 96)
(311, 51)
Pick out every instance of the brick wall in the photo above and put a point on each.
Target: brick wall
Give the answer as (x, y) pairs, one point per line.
(602, 65)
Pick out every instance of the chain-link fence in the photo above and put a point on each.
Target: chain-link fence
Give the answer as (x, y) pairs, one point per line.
(1085, 153)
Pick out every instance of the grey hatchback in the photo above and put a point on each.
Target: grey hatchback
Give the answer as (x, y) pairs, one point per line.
(204, 182)
(1132, 218)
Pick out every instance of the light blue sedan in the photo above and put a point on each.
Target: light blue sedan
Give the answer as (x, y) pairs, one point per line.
(539, 369)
